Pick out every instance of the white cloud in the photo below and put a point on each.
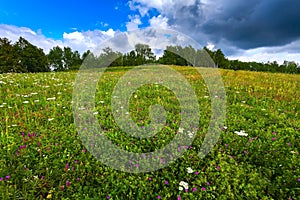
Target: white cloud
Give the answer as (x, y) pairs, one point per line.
(134, 23)
(36, 38)
(210, 46)
(74, 36)
(80, 41)
(159, 22)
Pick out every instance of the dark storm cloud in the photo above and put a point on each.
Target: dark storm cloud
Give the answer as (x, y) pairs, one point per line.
(269, 23)
(244, 24)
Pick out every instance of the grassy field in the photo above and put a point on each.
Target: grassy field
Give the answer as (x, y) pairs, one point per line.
(42, 156)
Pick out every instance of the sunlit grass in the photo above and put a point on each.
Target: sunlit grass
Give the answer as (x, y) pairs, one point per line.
(42, 155)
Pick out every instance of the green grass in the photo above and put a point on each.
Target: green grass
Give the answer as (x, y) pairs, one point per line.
(263, 165)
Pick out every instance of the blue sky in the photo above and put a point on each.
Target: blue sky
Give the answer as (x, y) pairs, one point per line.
(55, 17)
(258, 30)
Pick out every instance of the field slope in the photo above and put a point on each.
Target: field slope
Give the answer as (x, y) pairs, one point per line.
(41, 154)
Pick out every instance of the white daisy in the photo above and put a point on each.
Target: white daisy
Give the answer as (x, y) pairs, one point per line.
(241, 133)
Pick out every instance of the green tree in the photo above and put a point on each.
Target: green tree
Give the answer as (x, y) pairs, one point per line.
(55, 58)
(8, 61)
(30, 58)
(144, 54)
(71, 60)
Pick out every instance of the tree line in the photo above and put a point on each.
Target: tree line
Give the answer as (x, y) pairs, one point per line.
(22, 57)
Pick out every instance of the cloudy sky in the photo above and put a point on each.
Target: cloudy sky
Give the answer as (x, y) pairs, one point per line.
(256, 30)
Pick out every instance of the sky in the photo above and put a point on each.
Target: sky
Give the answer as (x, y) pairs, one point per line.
(256, 30)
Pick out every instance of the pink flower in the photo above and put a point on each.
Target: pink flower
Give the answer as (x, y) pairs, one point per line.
(203, 189)
(68, 183)
(67, 166)
(218, 168)
(158, 197)
(166, 182)
(194, 189)
(273, 139)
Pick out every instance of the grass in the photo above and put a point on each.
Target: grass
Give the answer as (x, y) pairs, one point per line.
(42, 155)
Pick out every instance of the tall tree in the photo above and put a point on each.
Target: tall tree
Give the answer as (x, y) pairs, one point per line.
(8, 61)
(30, 58)
(55, 58)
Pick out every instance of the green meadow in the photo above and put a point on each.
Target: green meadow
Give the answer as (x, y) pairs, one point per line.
(256, 156)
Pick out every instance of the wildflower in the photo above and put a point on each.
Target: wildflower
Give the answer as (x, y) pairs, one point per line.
(184, 184)
(226, 145)
(108, 197)
(67, 166)
(194, 189)
(68, 183)
(203, 189)
(208, 183)
(26, 102)
(61, 188)
(180, 188)
(178, 198)
(7, 177)
(166, 182)
(158, 197)
(76, 161)
(218, 168)
(78, 179)
(298, 179)
(245, 152)
(1, 179)
(51, 99)
(196, 173)
(190, 170)
(180, 130)
(273, 139)
(241, 133)
(190, 134)
(50, 119)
